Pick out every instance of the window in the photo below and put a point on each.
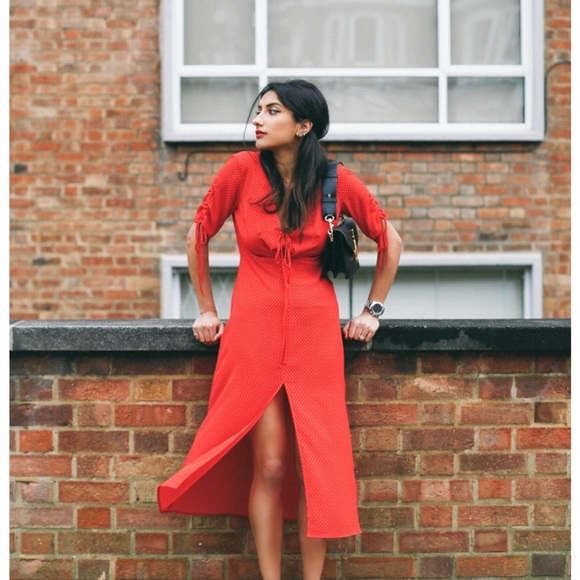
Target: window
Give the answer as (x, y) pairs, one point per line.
(428, 286)
(390, 69)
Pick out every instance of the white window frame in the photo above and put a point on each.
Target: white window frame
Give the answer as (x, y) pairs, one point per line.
(531, 70)
(173, 264)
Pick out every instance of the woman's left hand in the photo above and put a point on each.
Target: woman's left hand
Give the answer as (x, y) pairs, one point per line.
(363, 327)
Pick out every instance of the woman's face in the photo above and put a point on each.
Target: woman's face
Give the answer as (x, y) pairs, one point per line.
(275, 124)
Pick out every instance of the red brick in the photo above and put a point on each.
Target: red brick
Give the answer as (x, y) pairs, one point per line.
(41, 517)
(552, 463)
(93, 543)
(378, 414)
(494, 489)
(35, 441)
(548, 565)
(493, 463)
(438, 414)
(94, 568)
(36, 388)
(98, 415)
(374, 363)
(149, 415)
(546, 363)
(93, 492)
(541, 540)
(37, 491)
(492, 516)
(496, 414)
(103, 441)
(98, 518)
(438, 439)
(375, 464)
(551, 413)
(494, 439)
(543, 438)
(93, 466)
(37, 543)
(94, 389)
(40, 415)
(208, 543)
(491, 541)
(377, 542)
(435, 516)
(156, 389)
(150, 364)
(381, 518)
(151, 442)
(432, 567)
(543, 488)
(433, 541)
(149, 518)
(191, 389)
(151, 543)
(438, 363)
(429, 388)
(380, 389)
(25, 569)
(248, 569)
(491, 566)
(439, 464)
(495, 363)
(383, 490)
(40, 465)
(543, 387)
(377, 439)
(378, 567)
(436, 490)
(549, 514)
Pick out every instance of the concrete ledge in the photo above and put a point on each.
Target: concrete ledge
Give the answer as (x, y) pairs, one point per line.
(155, 335)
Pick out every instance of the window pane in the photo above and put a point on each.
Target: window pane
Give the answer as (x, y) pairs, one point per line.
(486, 100)
(217, 100)
(448, 293)
(218, 32)
(380, 100)
(485, 32)
(222, 281)
(469, 294)
(365, 33)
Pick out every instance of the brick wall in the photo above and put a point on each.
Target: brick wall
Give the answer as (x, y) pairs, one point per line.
(462, 462)
(95, 194)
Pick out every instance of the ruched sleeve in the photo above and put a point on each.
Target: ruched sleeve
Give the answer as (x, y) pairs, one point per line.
(355, 200)
(219, 203)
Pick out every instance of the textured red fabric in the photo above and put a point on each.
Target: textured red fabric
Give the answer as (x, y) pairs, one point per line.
(283, 332)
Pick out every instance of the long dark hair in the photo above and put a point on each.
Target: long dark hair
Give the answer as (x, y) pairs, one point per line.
(306, 102)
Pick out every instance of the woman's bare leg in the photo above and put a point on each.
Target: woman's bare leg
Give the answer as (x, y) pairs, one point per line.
(313, 550)
(265, 508)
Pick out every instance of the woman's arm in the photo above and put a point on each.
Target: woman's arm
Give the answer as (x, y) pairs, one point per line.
(207, 328)
(364, 326)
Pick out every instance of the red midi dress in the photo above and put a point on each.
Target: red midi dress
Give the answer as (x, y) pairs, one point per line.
(283, 332)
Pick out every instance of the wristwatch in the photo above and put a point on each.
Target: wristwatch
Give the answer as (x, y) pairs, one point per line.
(375, 308)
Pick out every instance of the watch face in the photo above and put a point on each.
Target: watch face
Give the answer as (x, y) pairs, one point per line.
(377, 308)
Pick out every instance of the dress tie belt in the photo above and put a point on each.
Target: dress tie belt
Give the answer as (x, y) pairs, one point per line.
(284, 257)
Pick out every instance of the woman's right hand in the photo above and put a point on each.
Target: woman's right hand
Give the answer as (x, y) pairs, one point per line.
(208, 328)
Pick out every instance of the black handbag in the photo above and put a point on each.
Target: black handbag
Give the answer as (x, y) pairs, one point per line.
(340, 254)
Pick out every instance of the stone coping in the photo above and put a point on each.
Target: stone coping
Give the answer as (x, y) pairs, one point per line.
(161, 335)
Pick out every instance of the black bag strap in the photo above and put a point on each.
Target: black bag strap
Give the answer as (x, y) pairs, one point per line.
(329, 191)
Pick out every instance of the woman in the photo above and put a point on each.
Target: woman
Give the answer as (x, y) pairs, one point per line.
(276, 443)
